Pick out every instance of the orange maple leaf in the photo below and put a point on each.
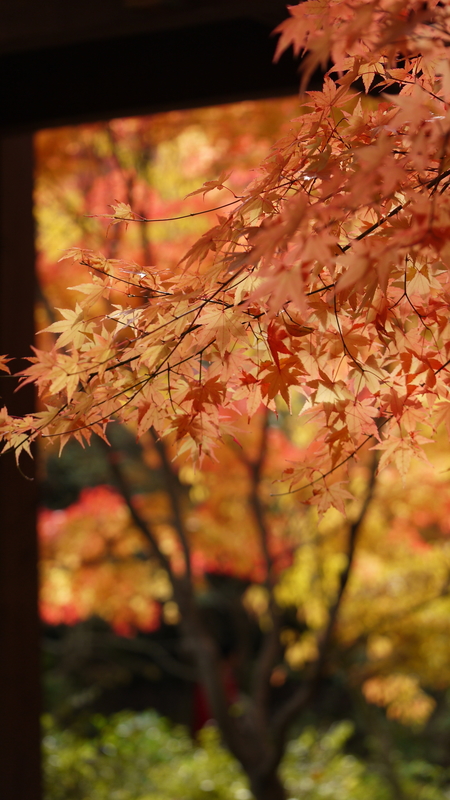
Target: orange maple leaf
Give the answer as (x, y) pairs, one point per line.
(278, 378)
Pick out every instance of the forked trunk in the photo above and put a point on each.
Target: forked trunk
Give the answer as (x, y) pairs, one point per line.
(268, 787)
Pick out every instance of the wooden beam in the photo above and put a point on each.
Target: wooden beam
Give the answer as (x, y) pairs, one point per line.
(208, 64)
(27, 25)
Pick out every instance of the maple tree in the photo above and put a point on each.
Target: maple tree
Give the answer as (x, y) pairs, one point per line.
(325, 280)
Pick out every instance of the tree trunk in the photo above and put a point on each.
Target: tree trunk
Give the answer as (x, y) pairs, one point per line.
(267, 787)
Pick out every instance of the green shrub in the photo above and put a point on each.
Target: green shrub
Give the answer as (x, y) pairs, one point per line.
(143, 757)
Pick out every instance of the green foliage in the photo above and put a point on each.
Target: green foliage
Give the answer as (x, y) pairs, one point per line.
(315, 766)
(142, 757)
(139, 757)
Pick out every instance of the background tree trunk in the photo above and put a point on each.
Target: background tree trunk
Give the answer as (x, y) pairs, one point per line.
(267, 787)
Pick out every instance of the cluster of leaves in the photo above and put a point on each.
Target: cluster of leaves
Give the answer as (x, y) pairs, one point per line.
(328, 276)
(141, 758)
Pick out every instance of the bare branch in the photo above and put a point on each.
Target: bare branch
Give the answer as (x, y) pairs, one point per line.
(355, 528)
(173, 487)
(199, 642)
(153, 650)
(255, 468)
(305, 693)
(145, 647)
(141, 523)
(271, 649)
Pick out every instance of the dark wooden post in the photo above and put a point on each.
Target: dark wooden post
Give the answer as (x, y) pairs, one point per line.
(19, 625)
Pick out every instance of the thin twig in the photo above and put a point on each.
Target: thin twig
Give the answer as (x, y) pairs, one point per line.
(174, 488)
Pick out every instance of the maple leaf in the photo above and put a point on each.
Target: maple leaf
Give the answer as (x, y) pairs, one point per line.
(4, 364)
(296, 329)
(333, 495)
(74, 327)
(396, 450)
(443, 414)
(208, 186)
(224, 325)
(122, 213)
(212, 391)
(275, 340)
(92, 291)
(150, 410)
(279, 377)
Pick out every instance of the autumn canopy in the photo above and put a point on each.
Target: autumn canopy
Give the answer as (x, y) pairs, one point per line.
(324, 284)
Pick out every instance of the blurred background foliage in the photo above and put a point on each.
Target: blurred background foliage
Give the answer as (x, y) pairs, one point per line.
(142, 757)
(111, 636)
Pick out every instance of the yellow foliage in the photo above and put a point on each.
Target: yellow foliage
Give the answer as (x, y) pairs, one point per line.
(305, 649)
(379, 647)
(256, 599)
(402, 697)
(171, 613)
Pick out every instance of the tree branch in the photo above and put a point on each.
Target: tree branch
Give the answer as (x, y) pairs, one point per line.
(149, 648)
(271, 646)
(173, 487)
(305, 693)
(152, 649)
(199, 642)
(255, 467)
(113, 460)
